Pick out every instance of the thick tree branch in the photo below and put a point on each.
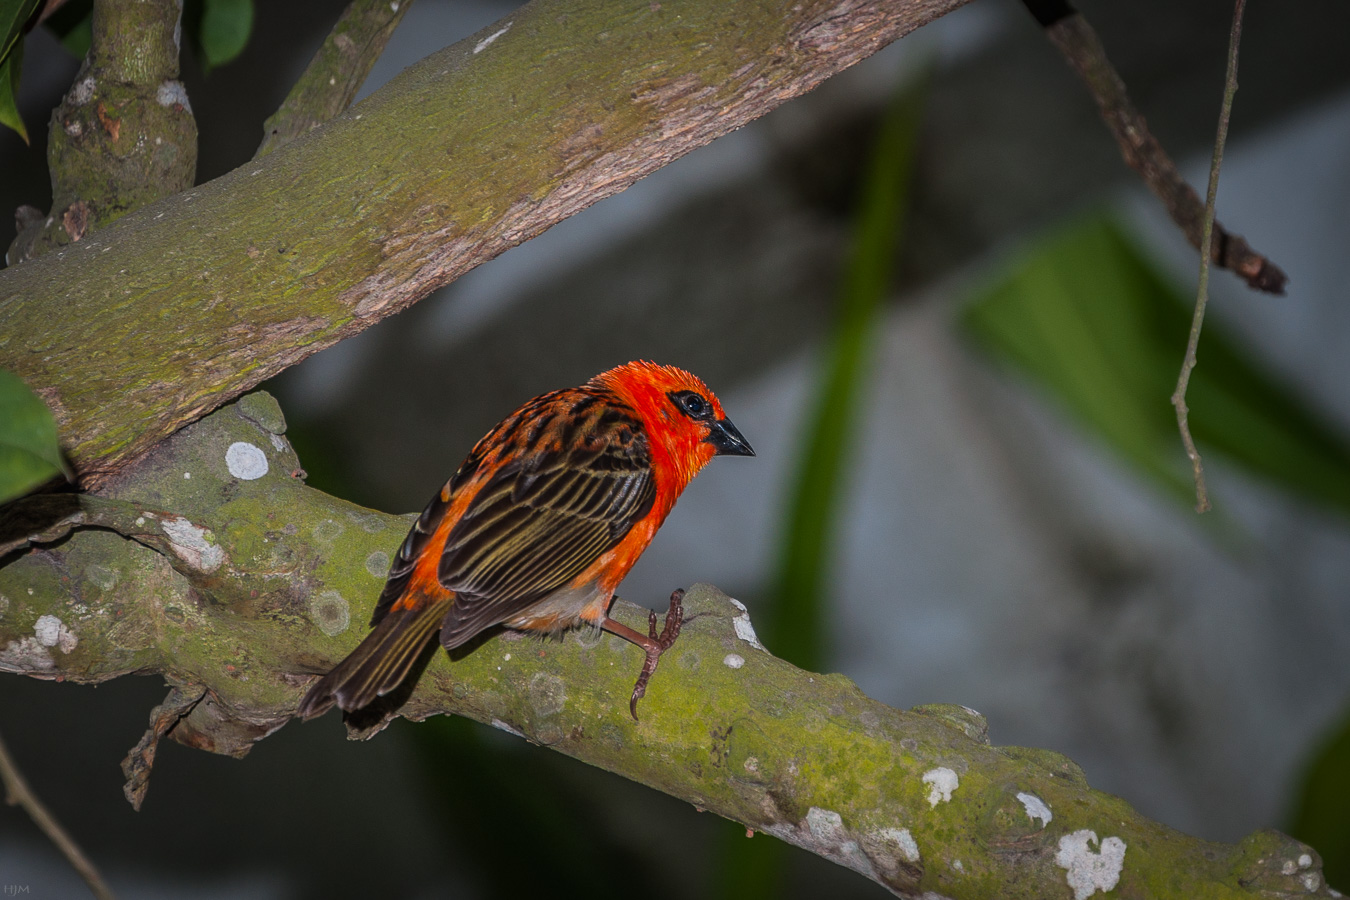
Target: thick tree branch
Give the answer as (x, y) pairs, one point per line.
(472, 151)
(918, 801)
(336, 73)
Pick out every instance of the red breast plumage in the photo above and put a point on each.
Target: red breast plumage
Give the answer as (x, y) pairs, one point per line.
(540, 523)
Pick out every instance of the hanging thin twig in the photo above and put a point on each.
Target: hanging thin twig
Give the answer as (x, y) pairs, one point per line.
(1207, 243)
(18, 793)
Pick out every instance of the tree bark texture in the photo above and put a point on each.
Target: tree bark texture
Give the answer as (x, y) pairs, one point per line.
(213, 565)
(155, 321)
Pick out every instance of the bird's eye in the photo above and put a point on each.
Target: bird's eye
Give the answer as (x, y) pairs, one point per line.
(691, 404)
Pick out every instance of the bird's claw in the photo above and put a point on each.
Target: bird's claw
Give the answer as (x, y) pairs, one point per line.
(659, 644)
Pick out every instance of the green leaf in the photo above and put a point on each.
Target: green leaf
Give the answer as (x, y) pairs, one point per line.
(796, 626)
(14, 15)
(1087, 318)
(10, 68)
(29, 452)
(224, 30)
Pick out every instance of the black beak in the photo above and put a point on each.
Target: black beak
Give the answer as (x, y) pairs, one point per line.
(727, 440)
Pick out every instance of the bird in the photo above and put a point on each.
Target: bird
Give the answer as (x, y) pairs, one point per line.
(539, 524)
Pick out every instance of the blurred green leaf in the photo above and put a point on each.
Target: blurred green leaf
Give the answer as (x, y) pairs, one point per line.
(1322, 814)
(73, 23)
(1085, 316)
(10, 68)
(221, 29)
(796, 626)
(29, 452)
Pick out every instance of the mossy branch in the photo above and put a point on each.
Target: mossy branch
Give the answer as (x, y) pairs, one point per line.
(479, 147)
(332, 78)
(213, 565)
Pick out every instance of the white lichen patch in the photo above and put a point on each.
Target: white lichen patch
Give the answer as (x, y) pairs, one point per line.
(1305, 861)
(327, 531)
(822, 832)
(278, 442)
(245, 461)
(733, 660)
(83, 91)
(377, 564)
(194, 544)
(1036, 808)
(830, 839)
(548, 694)
(172, 93)
(25, 656)
(483, 44)
(331, 612)
(101, 576)
(959, 866)
(941, 782)
(1090, 870)
(902, 841)
(52, 632)
(744, 630)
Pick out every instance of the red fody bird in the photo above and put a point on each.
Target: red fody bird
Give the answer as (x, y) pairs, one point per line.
(539, 525)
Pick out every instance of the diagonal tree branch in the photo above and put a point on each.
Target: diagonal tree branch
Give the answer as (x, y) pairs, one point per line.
(472, 151)
(1077, 40)
(18, 793)
(918, 801)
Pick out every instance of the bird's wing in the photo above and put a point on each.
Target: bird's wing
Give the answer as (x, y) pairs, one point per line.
(409, 552)
(543, 518)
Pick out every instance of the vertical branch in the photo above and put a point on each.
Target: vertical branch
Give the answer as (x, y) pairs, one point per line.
(1206, 249)
(124, 135)
(18, 793)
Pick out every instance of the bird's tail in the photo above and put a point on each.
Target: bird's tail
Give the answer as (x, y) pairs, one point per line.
(378, 664)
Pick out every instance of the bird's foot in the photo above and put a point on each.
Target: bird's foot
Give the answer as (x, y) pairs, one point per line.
(656, 645)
